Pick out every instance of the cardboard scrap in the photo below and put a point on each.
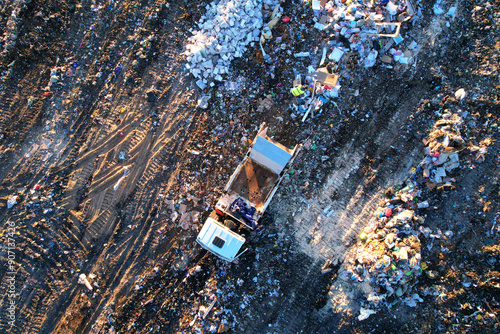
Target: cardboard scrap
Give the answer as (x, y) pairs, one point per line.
(325, 78)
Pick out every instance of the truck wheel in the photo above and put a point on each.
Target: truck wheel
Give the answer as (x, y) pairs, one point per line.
(230, 224)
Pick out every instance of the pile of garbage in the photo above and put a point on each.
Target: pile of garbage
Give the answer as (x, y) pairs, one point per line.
(354, 32)
(388, 254)
(442, 147)
(371, 30)
(441, 151)
(226, 29)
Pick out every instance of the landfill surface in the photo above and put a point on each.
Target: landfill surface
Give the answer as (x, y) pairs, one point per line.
(122, 121)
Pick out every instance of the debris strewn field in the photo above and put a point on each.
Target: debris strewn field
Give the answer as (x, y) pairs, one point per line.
(122, 121)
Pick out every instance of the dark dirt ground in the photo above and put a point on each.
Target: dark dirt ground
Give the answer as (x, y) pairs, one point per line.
(60, 151)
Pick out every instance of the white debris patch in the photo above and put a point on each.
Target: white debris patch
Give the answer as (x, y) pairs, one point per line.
(225, 31)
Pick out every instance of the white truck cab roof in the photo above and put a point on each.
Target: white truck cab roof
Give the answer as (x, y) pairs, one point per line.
(220, 240)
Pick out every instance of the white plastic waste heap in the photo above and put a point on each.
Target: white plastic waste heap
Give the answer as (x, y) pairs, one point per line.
(225, 31)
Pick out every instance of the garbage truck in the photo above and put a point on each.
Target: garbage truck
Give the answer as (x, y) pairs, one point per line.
(246, 195)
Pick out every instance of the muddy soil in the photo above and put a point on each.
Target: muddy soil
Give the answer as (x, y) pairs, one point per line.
(115, 168)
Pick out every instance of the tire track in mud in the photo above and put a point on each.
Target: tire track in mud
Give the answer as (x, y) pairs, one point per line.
(139, 178)
(161, 295)
(35, 256)
(146, 199)
(170, 250)
(149, 153)
(17, 124)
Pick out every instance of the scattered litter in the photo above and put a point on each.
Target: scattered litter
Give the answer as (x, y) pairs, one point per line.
(365, 313)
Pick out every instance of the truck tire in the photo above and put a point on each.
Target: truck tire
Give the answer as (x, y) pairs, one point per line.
(230, 224)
